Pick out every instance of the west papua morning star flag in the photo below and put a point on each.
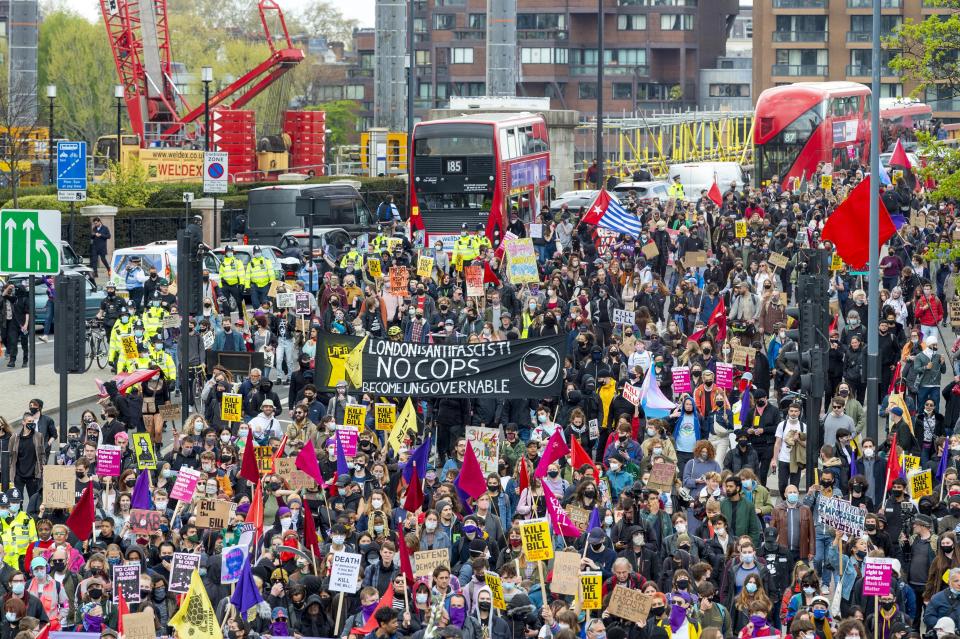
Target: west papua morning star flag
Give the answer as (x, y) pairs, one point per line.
(607, 213)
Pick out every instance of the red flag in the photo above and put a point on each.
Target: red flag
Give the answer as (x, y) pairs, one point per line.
(310, 539)
(718, 318)
(81, 518)
(833, 323)
(307, 462)
(894, 379)
(416, 221)
(248, 467)
(414, 497)
(556, 448)
(848, 224)
(899, 157)
(489, 277)
(255, 514)
(714, 193)
(371, 625)
(122, 609)
(280, 450)
(45, 633)
(524, 478)
(471, 479)
(893, 463)
(406, 566)
(494, 228)
(579, 457)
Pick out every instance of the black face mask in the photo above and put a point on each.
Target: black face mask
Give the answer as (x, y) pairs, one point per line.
(484, 606)
(657, 611)
(95, 593)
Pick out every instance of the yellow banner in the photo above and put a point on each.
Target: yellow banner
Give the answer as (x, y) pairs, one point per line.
(496, 589)
(355, 416)
(385, 415)
(920, 483)
(129, 343)
(740, 228)
(425, 266)
(376, 269)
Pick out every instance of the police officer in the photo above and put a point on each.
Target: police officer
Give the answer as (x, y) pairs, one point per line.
(152, 318)
(162, 359)
(464, 249)
(233, 277)
(18, 528)
(142, 361)
(111, 308)
(379, 243)
(676, 189)
(133, 279)
(123, 326)
(259, 275)
(352, 258)
(480, 241)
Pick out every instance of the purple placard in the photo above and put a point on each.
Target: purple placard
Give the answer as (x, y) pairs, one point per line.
(186, 484)
(724, 375)
(348, 439)
(108, 461)
(681, 380)
(877, 577)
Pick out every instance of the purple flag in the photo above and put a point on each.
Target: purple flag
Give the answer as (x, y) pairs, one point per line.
(246, 595)
(141, 492)
(342, 469)
(419, 456)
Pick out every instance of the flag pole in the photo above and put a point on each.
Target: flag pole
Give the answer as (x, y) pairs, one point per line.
(873, 279)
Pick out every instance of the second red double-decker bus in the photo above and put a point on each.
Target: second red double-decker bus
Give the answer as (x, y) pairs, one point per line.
(798, 126)
(475, 169)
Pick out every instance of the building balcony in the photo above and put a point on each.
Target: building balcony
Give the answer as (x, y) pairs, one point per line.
(799, 36)
(800, 70)
(859, 36)
(470, 34)
(423, 71)
(800, 4)
(939, 106)
(609, 70)
(359, 72)
(540, 34)
(868, 4)
(866, 70)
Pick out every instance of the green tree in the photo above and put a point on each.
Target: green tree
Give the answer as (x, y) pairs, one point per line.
(341, 119)
(75, 56)
(125, 187)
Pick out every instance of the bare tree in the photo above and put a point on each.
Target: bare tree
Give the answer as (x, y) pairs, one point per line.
(21, 133)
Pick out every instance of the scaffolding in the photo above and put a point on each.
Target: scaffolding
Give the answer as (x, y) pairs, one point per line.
(661, 139)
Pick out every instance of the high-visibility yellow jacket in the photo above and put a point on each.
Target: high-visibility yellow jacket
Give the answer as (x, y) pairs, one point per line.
(130, 365)
(481, 242)
(378, 244)
(165, 362)
(676, 191)
(232, 272)
(464, 249)
(152, 319)
(352, 256)
(119, 330)
(18, 533)
(259, 271)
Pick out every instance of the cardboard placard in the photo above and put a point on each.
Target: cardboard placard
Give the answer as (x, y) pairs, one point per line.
(918, 220)
(650, 250)
(375, 267)
(724, 375)
(355, 415)
(58, 486)
(144, 522)
(231, 407)
(284, 466)
(536, 231)
(129, 344)
(108, 461)
(840, 515)
(426, 561)
(303, 325)
(345, 572)
(537, 543)
(385, 416)
(623, 317)
(274, 286)
(662, 476)
(399, 281)
(486, 446)
(778, 260)
(632, 394)
(170, 321)
(185, 485)
(579, 516)
(213, 513)
(591, 587)
(424, 266)
(629, 604)
(954, 310)
(299, 480)
(744, 355)
(301, 303)
(181, 568)
(566, 573)
(169, 412)
(126, 577)
(473, 275)
(695, 259)
(139, 625)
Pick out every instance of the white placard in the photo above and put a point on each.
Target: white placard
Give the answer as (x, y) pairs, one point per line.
(623, 316)
(345, 573)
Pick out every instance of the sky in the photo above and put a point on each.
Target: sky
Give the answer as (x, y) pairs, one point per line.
(360, 10)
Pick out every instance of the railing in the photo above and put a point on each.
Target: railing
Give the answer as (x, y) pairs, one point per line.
(609, 69)
(538, 34)
(798, 70)
(868, 4)
(861, 70)
(799, 4)
(859, 36)
(799, 36)
(469, 34)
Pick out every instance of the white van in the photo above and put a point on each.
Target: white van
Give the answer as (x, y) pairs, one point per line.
(699, 176)
(162, 255)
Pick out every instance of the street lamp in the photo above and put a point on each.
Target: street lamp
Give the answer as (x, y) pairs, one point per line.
(118, 94)
(52, 95)
(206, 76)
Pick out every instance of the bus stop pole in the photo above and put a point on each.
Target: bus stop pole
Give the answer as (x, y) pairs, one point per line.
(873, 276)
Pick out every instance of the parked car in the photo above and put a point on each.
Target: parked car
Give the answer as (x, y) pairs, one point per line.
(574, 200)
(162, 255)
(646, 192)
(95, 296)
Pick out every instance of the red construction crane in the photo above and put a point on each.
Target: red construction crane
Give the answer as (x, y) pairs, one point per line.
(140, 41)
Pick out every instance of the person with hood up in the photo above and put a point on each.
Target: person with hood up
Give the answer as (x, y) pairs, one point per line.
(487, 616)
(680, 620)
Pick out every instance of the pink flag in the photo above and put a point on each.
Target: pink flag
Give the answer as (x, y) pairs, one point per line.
(471, 479)
(307, 462)
(561, 521)
(556, 448)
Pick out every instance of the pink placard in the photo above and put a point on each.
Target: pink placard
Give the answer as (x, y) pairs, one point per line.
(681, 380)
(108, 461)
(876, 579)
(724, 375)
(185, 485)
(349, 435)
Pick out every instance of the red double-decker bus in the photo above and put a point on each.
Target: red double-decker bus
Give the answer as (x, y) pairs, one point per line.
(475, 169)
(800, 125)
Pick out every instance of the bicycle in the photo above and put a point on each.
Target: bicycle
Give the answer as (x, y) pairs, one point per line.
(96, 344)
(199, 373)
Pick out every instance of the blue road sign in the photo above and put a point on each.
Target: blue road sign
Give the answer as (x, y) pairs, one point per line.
(71, 166)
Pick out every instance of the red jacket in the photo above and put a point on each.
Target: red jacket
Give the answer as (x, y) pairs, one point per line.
(928, 310)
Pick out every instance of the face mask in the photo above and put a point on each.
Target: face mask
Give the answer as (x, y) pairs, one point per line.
(18, 588)
(819, 614)
(11, 616)
(40, 573)
(339, 539)
(680, 528)
(553, 474)
(747, 558)
(421, 598)
(657, 450)
(430, 526)
(58, 565)
(608, 520)
(751, 587)
(809, 590)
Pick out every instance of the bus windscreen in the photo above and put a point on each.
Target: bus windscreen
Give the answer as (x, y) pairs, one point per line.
(439, 140)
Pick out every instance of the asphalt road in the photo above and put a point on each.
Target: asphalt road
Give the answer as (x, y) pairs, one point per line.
(44, 356)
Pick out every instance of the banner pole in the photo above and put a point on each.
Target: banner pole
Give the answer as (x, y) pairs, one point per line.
(336, 624)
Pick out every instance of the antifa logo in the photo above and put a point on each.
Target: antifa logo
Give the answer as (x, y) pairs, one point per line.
(541, 366)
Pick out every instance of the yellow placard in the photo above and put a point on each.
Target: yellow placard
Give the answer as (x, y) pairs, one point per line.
(591, 587)
(231, 408)
(394, 243)
(836, 262)
(897, 175)
(740, 228)
(920, 483)
(144, 451)
(376, 269)
(355, 416)
(537, 544)
(496, 589)
(425, 266)
(129, 343)
(826, 182)
(910, 463)
(385, 416)
(264, 456)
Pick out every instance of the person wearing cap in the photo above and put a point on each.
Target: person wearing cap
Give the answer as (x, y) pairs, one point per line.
(134, 278)
(676, 189)
(897, 424)
(259, 273)
(111, 308)
(265, 425)
(598, 553)
(464, 249)
(50, 592)
(945, 626)
(743, 455)
(153, 317)
(233, 276)
(945, 603)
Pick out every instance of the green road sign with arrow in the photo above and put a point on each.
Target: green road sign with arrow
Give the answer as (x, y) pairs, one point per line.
(30, 242)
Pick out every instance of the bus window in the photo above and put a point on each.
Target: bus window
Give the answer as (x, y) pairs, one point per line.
(503, 144)
(511, 144)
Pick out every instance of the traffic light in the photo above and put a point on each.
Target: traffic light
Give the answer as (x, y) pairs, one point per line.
(69, 310)
(190, 270)
(811, 317)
